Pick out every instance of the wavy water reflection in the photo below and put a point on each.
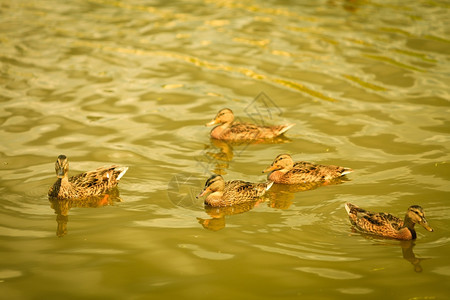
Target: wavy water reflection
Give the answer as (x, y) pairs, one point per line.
(62, 207)
(218, 214)
(134, 82)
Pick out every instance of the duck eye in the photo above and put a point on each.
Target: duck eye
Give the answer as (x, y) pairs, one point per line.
(418, 214)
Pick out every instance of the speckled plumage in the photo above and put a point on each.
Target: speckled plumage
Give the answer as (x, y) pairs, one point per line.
(387, 225)
(283, 170)
(236, 131)
(233, 192)
(86, 184)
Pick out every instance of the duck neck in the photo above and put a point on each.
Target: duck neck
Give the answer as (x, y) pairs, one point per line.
(408, 223)
(56, 187)
(217, 131)
(224, 125)
(276, 175)
(284, 169)
(214, 198)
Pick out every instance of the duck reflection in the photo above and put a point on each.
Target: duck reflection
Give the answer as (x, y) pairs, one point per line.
(218, 214)
(408, 254)
(406, 247)
(219, 153)
(281, 196)
(62, 207)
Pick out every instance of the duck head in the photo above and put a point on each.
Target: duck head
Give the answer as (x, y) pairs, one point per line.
(416, 215)
(223, 116)
(282, 161)
(61, 166)
(213, 184)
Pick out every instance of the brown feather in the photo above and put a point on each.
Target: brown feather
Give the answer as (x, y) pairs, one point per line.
(236, 131)
(387, 225)
(283, 170)
(233, 192)
(86, 184)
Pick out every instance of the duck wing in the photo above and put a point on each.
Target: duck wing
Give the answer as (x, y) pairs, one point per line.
(238, 191)
(244, 131)
(306, 171)
(247, 131)
(375, 223)
(100, 179)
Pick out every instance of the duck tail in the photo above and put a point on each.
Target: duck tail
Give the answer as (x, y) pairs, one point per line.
(346, 171)
(348, 207)
(262, 188)
(122, 171)
(285, 128)
(269, 185)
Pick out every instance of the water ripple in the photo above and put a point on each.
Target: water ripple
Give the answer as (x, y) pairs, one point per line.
(308, 254)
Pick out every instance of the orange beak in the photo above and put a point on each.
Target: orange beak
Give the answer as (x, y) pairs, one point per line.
(212, 123)
(270, 168)
(203, 193)
(60, 173)
(425, 225)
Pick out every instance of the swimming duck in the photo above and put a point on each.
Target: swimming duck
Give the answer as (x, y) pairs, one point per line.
(284, 170)
(84, 185)
(387, 225)
(236, 131)
(231, 192)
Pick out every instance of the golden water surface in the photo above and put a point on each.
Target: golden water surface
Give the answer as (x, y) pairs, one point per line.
(133, 83)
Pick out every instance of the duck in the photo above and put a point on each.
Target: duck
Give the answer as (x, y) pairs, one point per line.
(229, 130)
(229, 193)
(88, 184)
(387, 225)
(284, 170)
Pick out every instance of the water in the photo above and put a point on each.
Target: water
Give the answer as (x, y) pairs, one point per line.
(134, 82)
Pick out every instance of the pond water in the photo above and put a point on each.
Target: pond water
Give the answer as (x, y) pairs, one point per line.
(134, 82)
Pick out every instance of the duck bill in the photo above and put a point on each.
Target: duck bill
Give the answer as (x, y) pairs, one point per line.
(60, 173)
(212, 123)
(202, 193)
(425, 225)
(269, 169)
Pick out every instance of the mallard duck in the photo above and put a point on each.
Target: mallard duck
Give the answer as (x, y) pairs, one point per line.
(387, 225)
(236, 131)
(84, 185)
(284, 170)
(231, 192)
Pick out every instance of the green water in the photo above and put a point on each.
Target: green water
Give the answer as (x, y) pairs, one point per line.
(134, 82)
